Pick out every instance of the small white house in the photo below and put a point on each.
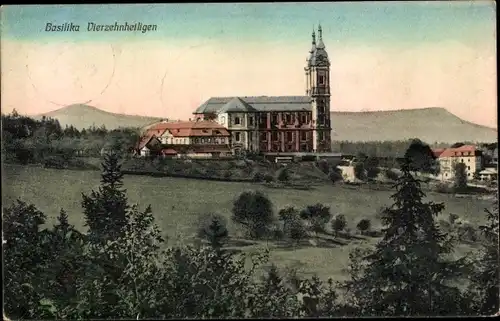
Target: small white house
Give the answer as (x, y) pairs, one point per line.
(488, 174)
(148, 145)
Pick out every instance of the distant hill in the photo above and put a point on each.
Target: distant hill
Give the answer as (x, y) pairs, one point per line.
(84, 116)
(429, 124)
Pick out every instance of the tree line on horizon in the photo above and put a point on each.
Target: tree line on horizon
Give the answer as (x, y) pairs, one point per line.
(26, 140)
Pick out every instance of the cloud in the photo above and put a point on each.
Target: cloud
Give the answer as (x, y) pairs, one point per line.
(170, 80)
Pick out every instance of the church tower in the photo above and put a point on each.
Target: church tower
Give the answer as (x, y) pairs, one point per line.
(318, 87)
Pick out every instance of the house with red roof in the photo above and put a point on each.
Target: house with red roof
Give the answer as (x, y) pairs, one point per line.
(148, 146)
(448, 157)
(199, 138)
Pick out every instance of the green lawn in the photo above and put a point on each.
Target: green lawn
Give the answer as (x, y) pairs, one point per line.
(178, 202)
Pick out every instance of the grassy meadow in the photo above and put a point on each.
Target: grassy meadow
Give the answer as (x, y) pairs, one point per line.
(177, 204)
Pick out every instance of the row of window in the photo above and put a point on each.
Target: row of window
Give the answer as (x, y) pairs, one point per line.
(287, 148)
(205, 140)
(288, 118)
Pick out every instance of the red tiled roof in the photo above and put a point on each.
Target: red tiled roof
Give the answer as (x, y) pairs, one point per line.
(145, 140)
(189, 129)
(457, 152)
(438, 151)
(168, 151)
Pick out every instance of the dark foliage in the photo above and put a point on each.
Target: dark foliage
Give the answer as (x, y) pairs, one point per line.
(421, 158)
(105, 209)
(254, 211)
(407, 273)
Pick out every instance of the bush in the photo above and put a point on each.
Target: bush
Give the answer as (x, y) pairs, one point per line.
(258, 177)
(227, 174)
(467, 233)
(392, 174)
(445, 226)
(268, 178)
(452, 218)
(283, 175)
(359, 171)
(381, 213)
(339, 223)
(254, 211)
(363, 226)
(335, 175)
(323, 166)
(444, 188)
(55, 162)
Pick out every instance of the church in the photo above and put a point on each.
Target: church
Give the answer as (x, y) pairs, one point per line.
(280, 124)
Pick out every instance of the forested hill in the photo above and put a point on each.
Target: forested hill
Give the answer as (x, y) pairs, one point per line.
(85, 116)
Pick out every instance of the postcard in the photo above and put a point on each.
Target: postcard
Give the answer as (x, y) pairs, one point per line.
(237, 160)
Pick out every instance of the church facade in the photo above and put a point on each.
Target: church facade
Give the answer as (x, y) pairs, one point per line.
(280, 124)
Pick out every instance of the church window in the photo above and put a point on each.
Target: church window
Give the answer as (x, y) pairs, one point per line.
(320, 135)
(263, 136)
(303, 135)
(250, 121)
(288, 118)
(321, 80)
(237, 120)
(237, 137)
(303, 118)
(289, 136)
(274, 135)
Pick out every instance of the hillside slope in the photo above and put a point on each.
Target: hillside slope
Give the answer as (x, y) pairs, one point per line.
(84, 116)
(428, 124)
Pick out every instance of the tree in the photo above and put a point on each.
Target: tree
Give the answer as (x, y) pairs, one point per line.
(296, 230)
(253, 210)
(371, 167)
(339, 223)
(360, 171)
(484, 289)
(363, 225)
(26, 254)
(213, 228)
(105, 210)
(421, 158)
(14, 113)
(460, 176)
(317, 215)
(456, 145)
(407, 273)
(292, 224)
(287, 215)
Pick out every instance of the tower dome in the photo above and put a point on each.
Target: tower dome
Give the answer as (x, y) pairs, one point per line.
(319, 57)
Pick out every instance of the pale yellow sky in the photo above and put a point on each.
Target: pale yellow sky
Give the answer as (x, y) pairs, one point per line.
(38, 78)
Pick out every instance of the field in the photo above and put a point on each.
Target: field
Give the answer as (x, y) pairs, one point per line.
(177, 203)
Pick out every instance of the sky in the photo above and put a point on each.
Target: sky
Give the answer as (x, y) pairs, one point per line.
(384, 56)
